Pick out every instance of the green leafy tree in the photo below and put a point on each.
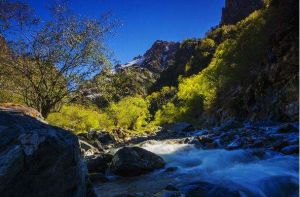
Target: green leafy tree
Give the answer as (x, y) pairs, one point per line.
(56, 56)
(129, 113)
(158, 99)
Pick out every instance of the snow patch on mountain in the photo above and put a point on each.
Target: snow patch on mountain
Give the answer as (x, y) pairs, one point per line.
(138, 61)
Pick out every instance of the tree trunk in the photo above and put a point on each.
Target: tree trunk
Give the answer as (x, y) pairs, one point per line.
(45, 110)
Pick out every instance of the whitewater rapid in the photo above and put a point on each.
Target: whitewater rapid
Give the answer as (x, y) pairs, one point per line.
(253, 173)
(273, 174)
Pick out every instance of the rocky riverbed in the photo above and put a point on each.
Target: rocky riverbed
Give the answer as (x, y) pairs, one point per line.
(234, 159)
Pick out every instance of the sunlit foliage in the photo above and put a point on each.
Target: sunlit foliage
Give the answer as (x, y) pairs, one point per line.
(129, 113)
(79, 119)
(158, 99)
(241, 49)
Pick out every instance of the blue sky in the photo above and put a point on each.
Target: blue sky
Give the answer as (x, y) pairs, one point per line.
(145, 21)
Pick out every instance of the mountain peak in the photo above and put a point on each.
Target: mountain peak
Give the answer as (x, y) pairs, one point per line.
(236, 10)
(157, 58)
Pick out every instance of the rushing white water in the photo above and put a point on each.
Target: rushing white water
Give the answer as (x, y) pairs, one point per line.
(272, 175)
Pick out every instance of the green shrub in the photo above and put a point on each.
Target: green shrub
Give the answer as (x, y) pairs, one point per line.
(167, 114)
(129, 113)
(158, 99)
(79, 119)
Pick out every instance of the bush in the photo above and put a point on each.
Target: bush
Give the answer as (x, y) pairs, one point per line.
(167, 114)
(79, 119)
(129, 113)
(158, 99)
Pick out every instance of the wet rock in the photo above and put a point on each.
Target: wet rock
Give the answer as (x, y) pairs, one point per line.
(205, 189)
(99, 163)
(125, 195)
(294, 141)
(212, 145)
(91, 134)
(98, 145)
(258, 143)
(204, 139)
(166, 193)
(37, 159)
(231, 124)
(187, 140)
(227, 138)
(179, 127)
(171, 169)
(292, 149)
(134, 161)
(278, 145)
(138, 194)
(105, 138)
(99, 139)
(235, 144)
(259, 153)
(171, 188)
(196, 143)
(87, 149)
(98, 177)
(292, 110)
(287, 128)
(90, 189)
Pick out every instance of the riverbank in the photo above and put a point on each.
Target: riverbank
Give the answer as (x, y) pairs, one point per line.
(247, 160)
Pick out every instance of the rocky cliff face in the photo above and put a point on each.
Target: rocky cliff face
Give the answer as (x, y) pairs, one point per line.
(236, 10)
(274, 92)
(156, 59)
(37, 159)
(160, 55)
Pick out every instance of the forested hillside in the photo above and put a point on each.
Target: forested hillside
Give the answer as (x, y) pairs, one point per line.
(245, 70)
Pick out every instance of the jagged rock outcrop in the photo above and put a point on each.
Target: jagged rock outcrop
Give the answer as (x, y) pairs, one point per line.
(37, 159)
(156, 59)
(160, 55)
(236, 10)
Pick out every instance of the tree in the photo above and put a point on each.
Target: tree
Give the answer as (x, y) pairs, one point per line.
(112, 86)
(129, 113)
(54, 57)
(14, 16)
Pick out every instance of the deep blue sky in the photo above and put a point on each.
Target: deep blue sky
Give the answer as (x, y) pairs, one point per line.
(145, 21)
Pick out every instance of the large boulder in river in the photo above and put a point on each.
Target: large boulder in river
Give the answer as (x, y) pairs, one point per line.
(38, 160)
(134, 161)
(98, 163)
